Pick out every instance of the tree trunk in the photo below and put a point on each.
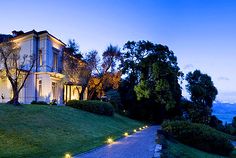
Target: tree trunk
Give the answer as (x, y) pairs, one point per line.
(91, 93)
(15, 99)
(81, 95)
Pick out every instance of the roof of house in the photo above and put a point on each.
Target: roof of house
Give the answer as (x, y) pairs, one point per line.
(19, 34)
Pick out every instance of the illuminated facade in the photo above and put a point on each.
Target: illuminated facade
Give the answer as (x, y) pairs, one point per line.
(46, 82)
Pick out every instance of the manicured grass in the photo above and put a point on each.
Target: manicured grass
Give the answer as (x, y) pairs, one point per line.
(51, 131)
(176, 150)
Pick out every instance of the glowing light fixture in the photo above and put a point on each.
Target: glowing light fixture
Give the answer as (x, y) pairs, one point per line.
(110, 140)
(140, 128)
(135, 130)
(67, 155)
(126, 134)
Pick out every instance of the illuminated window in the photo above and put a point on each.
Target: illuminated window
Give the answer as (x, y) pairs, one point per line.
(40, 88)
(40, 58)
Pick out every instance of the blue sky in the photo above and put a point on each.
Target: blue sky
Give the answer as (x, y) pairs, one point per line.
(200, 32)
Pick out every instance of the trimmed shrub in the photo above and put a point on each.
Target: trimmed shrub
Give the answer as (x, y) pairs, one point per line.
(54, 102)
(39, 102)
(199, 136)
(93, 106)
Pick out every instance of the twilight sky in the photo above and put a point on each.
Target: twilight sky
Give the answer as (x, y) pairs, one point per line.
(202, 33)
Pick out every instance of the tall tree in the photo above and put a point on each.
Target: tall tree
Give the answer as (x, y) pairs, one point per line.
(159, 80)
(17, 67)
(77, 71)
(153, 74)
(203, 92)
(105, 72)
(92, 73)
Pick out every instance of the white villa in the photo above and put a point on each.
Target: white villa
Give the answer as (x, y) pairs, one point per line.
(46, 82)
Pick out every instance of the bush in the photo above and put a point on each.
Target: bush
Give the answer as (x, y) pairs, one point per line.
(54, 102)
(234, 122)
(39, 102)
(199, 136)
(93, 106)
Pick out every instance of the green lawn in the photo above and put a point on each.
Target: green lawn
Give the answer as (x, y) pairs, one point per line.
(51, 131)
(179, 150)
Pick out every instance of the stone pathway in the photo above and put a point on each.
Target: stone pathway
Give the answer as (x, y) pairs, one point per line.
(139, 145)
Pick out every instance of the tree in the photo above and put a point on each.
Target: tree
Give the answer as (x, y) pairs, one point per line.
(203, 93)
(77, 71)
(133, 53)
(73, 49)
(105, 74)
(17, 67)
(159, 81)
(91, 73)
(153, 74)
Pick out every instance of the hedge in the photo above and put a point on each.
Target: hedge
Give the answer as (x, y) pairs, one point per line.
(39, 102)
(199, 136)
(93, 106)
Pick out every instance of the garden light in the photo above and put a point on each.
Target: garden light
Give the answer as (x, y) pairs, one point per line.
(135, 130)
(126, 134)
(110, 141)
(67, 156)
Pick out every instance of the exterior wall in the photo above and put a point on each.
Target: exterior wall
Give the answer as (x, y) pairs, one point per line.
(47, 93)
(46, 45)
(28, 91)
(5, 89)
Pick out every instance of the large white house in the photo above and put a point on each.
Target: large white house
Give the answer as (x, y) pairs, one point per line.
(46, 82)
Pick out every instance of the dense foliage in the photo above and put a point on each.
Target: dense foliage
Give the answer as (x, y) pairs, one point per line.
(94, 106)
(151, 90)
(226, 128)
(203, 93)
(199, 136)
(39, 102)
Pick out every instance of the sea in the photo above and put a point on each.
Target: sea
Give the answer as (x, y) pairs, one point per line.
(224, 111)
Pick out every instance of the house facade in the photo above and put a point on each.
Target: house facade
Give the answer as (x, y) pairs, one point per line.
(46, 82)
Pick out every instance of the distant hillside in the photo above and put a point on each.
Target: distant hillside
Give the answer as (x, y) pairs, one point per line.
(224, 111)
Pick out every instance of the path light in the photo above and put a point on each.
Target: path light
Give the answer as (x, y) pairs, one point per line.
(144, 127)
(67, 155)
(140, 128)
(110, 140)
(135, 130)
(126, 134)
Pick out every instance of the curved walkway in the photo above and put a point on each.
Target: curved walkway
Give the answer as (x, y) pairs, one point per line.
(138, 145)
